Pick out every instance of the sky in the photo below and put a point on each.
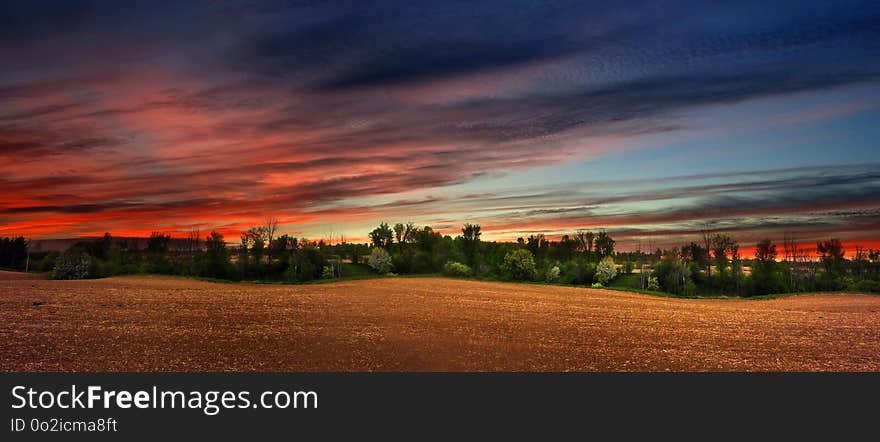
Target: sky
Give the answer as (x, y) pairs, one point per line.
(652, 120)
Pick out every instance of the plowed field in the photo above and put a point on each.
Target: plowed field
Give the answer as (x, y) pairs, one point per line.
(144, 323)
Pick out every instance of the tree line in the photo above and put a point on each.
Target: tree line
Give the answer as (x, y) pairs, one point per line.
(712, 266)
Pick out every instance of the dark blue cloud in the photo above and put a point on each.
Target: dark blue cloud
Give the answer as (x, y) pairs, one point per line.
(338, 47)
(379, 97)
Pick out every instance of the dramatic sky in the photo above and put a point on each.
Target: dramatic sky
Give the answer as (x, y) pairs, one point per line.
(651, 120)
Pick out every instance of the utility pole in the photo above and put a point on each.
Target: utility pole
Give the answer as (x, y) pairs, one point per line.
(27, 262)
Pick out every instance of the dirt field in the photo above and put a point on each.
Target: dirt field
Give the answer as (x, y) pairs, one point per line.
(409, 324)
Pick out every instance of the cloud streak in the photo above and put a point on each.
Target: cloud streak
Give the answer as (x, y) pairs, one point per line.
(221, 113)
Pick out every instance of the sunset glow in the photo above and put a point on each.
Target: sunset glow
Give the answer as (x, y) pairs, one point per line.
(759, 121)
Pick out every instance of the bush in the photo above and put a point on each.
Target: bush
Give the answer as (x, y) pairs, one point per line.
(453, 268)
(605, 271)
(673, 275)
(868, 286)
(653, 284)
(578, 272)
(519, 265)
(569, 273)
(765, 279)
(72, 266)
(553, 274)
(328, 273)
(380, 261)
(46, 263)
(597, 285)
(628, 267)
(829, 280)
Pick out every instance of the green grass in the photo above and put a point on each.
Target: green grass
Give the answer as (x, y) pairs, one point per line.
(630, 283)
(630, 280)
(623, 283)
(667, 294)
(350, 270)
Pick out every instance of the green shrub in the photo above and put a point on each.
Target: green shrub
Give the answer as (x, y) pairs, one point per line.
(868, 286)
(577, 272)
(588, 272)
(673, 275)
(569, 273)
(519, 265)
(653, 284)
(765, 278)
(453, 268)
(328, 273)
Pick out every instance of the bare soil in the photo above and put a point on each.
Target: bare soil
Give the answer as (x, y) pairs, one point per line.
(143, 323)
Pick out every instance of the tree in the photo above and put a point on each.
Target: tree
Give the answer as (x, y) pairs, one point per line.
(13, 251)
(27, 262)
(470, 241)
(399, 235)
(519, 264)
(673, 274)
(157, 243)
(243, 255)
(191, 245)
(605, 271)
(831, 254)
(382, 236)
(537, 244)
(271, 227)
(721, 245)
(308, 260)
(765, 252)
(426, 239)
(256, 238)
(765, 278)
(566, 248)
(380, 261)
(216, 255)
(103, 245)
(157, 251)
(584, 241)
(695, 253)
(736, 268)
(707, 246)
(604, 245)
(798, 264)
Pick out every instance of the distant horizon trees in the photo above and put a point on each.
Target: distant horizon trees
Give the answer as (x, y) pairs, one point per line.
(13, 252)
(714, 266)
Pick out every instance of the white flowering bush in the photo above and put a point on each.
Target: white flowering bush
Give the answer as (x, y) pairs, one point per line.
(605, 271)
(380, 261)
(553, 274)
(72, 266)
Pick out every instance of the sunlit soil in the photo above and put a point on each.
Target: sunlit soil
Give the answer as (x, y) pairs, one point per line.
(143, 323)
